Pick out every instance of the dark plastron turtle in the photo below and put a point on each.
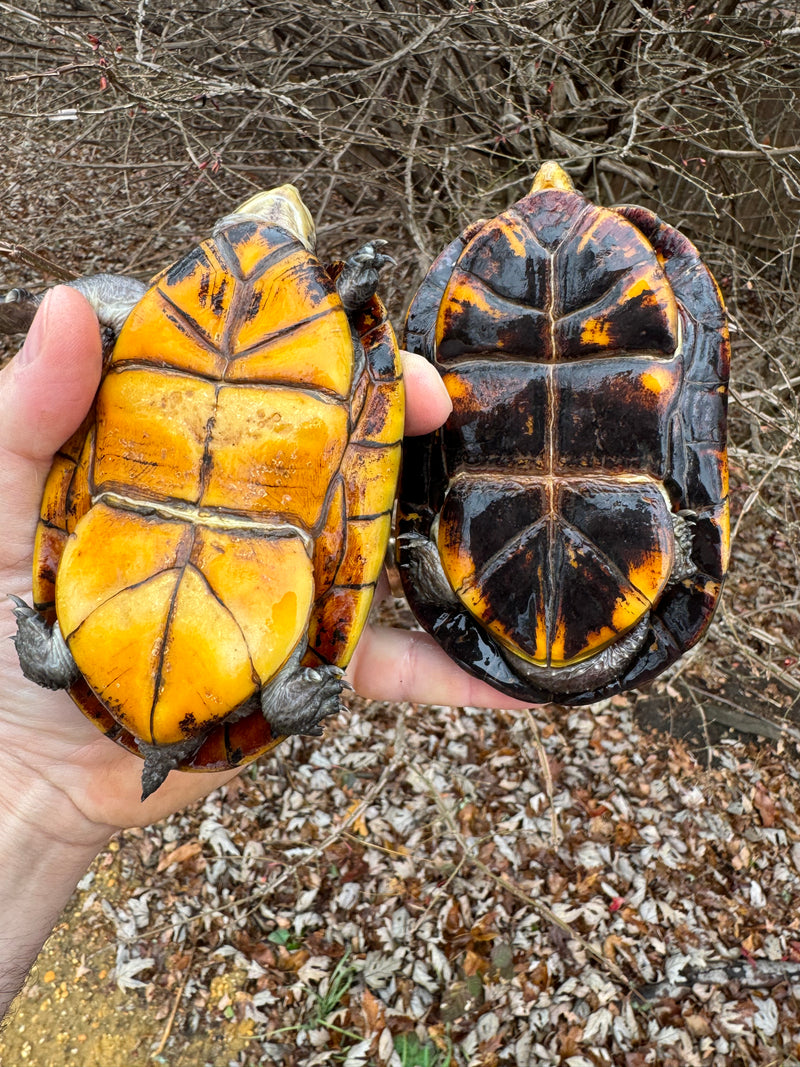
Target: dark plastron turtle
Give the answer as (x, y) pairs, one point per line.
(211, 537)
(565, 535)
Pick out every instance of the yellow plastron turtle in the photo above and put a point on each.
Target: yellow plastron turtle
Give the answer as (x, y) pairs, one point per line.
(211, 538)
(565, 535)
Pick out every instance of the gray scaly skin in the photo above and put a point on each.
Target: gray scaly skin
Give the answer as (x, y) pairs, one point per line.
(358, 282)
(42, 650)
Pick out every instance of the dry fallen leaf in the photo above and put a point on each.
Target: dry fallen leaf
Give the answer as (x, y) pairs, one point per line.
(764, 804)
(179, 855)
(374, 1011)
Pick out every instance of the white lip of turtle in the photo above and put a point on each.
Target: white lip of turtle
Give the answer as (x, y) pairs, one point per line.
(279, 207)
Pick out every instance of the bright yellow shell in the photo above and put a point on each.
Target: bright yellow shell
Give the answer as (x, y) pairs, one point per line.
(229, 498)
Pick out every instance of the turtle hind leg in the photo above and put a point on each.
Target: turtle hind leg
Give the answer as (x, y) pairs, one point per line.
(358, 280)
(298, 698)
(43, 653)
(683, 566)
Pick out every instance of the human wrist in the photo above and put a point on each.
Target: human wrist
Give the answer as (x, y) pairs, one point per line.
(37, 814)
(45, 848)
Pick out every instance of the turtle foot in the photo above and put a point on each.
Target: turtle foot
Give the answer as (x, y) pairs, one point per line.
(358, 281)
(419, 558)
(17, 309)
(43, 653)
(683, 566)
(298, 699)
(113, 296)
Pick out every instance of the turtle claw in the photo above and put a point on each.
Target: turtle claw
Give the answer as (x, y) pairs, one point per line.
(358, 280)
(298, 699)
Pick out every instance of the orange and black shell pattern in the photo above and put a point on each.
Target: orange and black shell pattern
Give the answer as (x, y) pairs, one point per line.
(565, 535)
(228, 500)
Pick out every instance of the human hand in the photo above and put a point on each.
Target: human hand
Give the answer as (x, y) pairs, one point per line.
(64, 787)
(54, 759)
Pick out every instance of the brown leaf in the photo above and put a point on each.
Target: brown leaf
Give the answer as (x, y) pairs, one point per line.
(611, 945)
(569, 1043)
(179, 855)
(440, 1037)
(465, 818)
(292, 961)
(359, 824)
(697, 1025)
(180, 961)
(475, 964)
(483, 928)
(540, 975)
(453, 923)
(263, 954)
(751, 943)
(764, 804)
(624, 833)
(374, 1011)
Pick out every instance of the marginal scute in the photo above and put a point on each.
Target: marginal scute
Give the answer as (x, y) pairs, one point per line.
(48, 547)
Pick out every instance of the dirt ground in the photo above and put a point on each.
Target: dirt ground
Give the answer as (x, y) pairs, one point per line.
(73, 1013)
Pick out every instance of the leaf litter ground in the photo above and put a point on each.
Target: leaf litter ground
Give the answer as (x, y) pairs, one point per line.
(446, 886)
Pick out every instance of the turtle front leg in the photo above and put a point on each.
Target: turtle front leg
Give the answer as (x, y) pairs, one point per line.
(359, 278)
(113, 297)
(298, 698)
(43, 653)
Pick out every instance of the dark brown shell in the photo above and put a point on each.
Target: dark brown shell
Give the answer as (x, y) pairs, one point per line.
(586, 354)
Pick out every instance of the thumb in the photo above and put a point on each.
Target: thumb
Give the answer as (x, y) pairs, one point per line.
(45, 392)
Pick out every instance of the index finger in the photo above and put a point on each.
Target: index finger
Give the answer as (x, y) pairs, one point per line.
(427, 401)
(393, 664)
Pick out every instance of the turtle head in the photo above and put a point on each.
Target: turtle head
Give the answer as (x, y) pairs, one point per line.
(551, 176)
(277, 207)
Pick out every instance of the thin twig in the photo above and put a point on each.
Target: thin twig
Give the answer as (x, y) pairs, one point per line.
(171, 1017)
(544, 765)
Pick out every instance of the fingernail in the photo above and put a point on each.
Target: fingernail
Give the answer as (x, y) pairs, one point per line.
(35, 336)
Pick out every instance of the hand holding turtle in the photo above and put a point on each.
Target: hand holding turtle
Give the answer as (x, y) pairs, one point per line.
(65, 787)
(45, 392)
